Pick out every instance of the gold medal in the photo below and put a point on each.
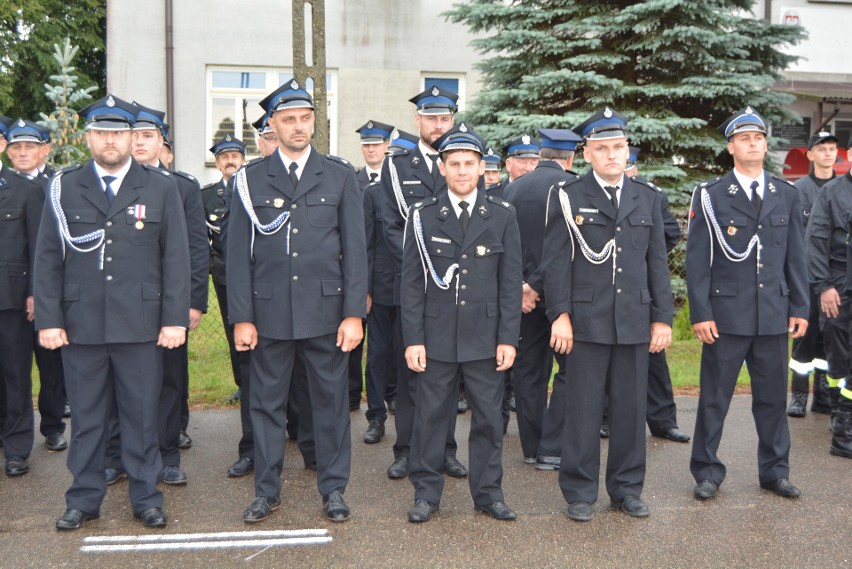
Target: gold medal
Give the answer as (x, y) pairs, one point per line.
(140, 224)
(579, 220)
(732, 230)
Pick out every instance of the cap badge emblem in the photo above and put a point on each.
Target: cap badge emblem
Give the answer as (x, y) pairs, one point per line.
(525, 139)
(823, 133)
(369, 124)
(749, 110)
(228, 138)
(21, 123)
(462, 127)
(294, 84)
(110, 101)
(608, 112)
(435, 91)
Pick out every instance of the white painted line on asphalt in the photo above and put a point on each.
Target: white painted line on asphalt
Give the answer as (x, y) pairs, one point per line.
(205, 536)
(197, 545)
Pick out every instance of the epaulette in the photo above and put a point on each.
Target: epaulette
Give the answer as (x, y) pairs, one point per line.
(499, 201)
(158, 170)
(68, 169)
(569, 181)
(208, 186)
(396, 151)
(782, 181)
(340, 160)
(255, 159)
(643, 182)
(185, 176)
(425, 203)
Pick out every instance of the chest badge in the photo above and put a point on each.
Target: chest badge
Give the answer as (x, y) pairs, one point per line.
(214, 217)
(579, 220)
(732, 230)
(278, 202)
(481, 250)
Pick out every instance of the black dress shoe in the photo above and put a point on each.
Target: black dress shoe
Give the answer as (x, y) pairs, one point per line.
(676, 435)
(782, 487)
(375, 432)
(632, 506)
(16, 466)
(605, 431)
(55, 442)
(113, 475)
(512, 406)
(548, 462)
(242, 467)
(463, 404)
(529, 460)
(454, 468)
(354, 405)
(74, 519)
(580, 511)
(398, 468)
(705, 490)
(335, 507)
(260, 507)
(174, 475)
(421, 511)
(497, 510)
(152, 518)
(392, 406)
(184, 442)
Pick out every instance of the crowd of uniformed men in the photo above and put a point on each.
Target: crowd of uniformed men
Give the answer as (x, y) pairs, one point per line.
(467, 286)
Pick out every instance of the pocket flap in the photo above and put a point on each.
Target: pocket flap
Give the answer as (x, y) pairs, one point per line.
(151, 291)
(19, 270)
(734, 220)
(332, 287)
(593, 219)
(81, 215)
(263, 290)
(442, 249)
(317, 198)
(641, 220)
(488, 249)
(583, 294)
(782, 219)
(71, 291)
(724, 288)
(274, 201)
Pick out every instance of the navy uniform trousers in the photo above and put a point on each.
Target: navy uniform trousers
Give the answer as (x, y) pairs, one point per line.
(129, 376)
(15, 369)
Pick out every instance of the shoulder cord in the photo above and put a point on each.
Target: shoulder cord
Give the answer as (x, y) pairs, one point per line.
(65, 232)
(397, 190)
(213, 228)
(608, 250)
(714, 229)
(426, 261)
(268, 229)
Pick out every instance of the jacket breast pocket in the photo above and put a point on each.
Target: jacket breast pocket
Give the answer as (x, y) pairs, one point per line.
(322, 208)
(144, 227)
(487, 259)
(11, 222)
(81, 221)
(640, 229)
(413, 193)
(442, 250)
(595, 229)
(723, 288)
(780, 225)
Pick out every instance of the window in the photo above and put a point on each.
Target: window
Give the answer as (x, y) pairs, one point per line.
(451, 82)
(232, 103)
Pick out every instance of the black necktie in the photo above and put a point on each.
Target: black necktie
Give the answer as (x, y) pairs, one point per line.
(110, 192)
(373, 177)
(755, 197)
(464, 218)
(613, 196)
(434, 159)
(294, 179)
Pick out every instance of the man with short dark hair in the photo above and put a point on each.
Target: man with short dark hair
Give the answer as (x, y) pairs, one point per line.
(464, 328)
(746, 279)
(112, 288)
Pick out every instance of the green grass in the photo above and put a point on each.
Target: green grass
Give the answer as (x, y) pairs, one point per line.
(211, 379)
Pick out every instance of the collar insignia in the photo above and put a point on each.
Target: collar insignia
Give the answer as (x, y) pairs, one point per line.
(732, 190)
(771, 187)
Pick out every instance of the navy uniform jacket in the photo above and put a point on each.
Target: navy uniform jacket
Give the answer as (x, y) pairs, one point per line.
(380, 267)
(826, 236)
(216, 214)
(199, 250)
(529, 196)
(417, 185)
(734, 295)
(809, 189)
(145, 281)
(602, 312)
(498, 190)
(323, 279)
(487, 310)
(21, 202)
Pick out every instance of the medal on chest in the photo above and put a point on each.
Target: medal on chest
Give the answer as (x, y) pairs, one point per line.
(138, 211)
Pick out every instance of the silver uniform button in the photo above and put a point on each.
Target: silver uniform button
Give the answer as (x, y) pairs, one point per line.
(295, 230)
(618, 291)
(109, 277)
(296, 278)
(295, 254)
(109, 224)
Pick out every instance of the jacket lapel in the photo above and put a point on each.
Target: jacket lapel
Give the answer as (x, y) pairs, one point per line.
(597, 196)
(93, 191)
(770, 198)
(449, 222)
(129, 190)
(279, 177)
(310, 177)
(479, 213)
(738, 197)
(629, 200)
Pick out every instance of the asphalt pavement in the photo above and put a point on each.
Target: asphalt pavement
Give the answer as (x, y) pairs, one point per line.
(743, 527)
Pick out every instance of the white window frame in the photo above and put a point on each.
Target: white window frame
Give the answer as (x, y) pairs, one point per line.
(460, 77)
